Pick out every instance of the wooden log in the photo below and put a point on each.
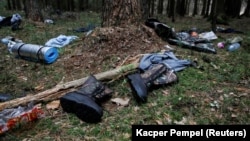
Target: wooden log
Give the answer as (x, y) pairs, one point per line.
(61, 89)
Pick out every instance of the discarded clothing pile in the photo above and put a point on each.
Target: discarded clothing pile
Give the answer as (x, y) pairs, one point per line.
(156, 69)
(190, 40)
(14, 21)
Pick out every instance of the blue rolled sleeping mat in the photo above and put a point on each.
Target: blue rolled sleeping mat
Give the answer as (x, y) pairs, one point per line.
(34, 52)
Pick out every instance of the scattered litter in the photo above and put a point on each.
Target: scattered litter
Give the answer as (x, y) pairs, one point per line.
(232, 40)
(49, 21)
(221, 45)
(60, 41)
(233, 47)
(53, 105)
(7, 39)
(168, 47)
(10, 118)
(121, 101)
(1, 18)
(208, 35)
(215, 104)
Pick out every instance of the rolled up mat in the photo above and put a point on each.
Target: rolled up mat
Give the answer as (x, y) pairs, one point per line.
(35, 52)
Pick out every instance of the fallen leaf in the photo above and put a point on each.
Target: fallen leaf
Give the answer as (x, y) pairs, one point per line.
(182, 122)
(167, 117)
(159, 122)
(23, 78)
(53, 105)
(165, 92)
(126, 135)
(242, 89)
(234, 116)
(136, 108)
(121, 101)
(39, 87)
(26, 139)
(220, 91)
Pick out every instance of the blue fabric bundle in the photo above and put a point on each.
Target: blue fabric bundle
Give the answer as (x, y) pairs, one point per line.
(60, 41)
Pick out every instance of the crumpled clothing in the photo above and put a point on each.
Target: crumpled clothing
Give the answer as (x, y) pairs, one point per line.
(15, 17)
(167, 58)
(60, 41)
(85, 29)
(1, 18)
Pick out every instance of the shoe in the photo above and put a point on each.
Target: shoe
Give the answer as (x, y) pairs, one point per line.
(84, 107)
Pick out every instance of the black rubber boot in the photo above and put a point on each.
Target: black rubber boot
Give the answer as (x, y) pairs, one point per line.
(85, 102)
(82, 106)
(141, 82)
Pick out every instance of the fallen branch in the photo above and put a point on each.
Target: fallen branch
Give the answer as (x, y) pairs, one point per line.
(61, 89)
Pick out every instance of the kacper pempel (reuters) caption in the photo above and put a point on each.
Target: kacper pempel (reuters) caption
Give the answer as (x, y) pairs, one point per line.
(191, 132)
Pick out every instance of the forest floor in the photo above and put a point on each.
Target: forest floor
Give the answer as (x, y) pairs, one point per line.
(216, 94)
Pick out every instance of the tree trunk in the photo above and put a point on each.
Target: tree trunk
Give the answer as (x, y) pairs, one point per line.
(9, 6)
(214, 15)
(172, 10)
(203, 12)
(208, 8)
(195, 12)
(18, 5)
(160, 7)
(121, 12)
(233, 7)
(145, 8)
(71, 5)
(247, 10)
(181, 7)
(152, 9)
(33, 11)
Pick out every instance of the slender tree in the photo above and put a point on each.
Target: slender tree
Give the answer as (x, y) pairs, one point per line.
(181, 7)
(204, 7)
(195, 12)
(160, 7)
(207, 13)
(9, 6)
(152, 7)
(247, 10)
(172, 10)
(214, 15)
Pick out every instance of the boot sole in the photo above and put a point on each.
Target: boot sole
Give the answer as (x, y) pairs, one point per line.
(82, 106)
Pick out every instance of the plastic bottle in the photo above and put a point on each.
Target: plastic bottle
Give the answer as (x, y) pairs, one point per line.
(233, 47)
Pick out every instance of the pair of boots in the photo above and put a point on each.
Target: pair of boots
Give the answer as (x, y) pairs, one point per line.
(85, 102)
(157, 75)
